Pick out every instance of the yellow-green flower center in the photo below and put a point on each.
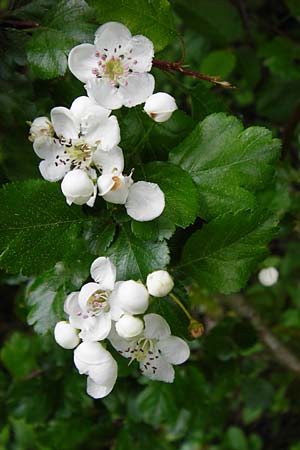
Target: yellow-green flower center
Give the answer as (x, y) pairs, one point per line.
(114, 69)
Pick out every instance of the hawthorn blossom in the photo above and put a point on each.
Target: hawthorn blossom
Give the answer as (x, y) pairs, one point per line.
(160, 106)
(159, 283)
(79, 132)
(66, 335)
(40, 127)
(79, 188)
(91, 359)
(155, 349)
(115, 69)
(93, 308)
(143, 201)
(268, 276)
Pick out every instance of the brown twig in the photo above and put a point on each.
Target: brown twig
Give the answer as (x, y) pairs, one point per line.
(18, 24)
(178, 67)
(281, 353)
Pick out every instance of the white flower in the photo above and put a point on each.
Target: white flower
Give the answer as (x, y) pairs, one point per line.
(155, 349)
(131, 296)
(160, 106)
(40, 127)
(115, 68)
(79, 131)
(66, 335)
(129, 326)
(159, 283)
(269, 276)
(98, 303)
(78, 188)
(143, 201)
(93, 360)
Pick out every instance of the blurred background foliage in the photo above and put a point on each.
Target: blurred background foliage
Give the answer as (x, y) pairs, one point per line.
(239, 391)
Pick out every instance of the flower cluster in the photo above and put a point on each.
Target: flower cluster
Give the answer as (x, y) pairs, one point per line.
(80, 145)
(106, 309)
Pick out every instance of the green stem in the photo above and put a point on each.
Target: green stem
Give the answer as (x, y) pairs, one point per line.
(179, 303)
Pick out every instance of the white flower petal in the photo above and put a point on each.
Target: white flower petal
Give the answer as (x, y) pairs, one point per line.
(82, 60)
(160, 106)
(111, 162)
(65, 335)
(99, 390)
(83, 107)
(132, 297)
(129, 326)
(47, 148)
(65, 123)
(119, 192)
(105, 373)
(88, 354)
(103, 271)
(156, 327)
(174, 349)
(123, 346)
(92, 200)
(96, 328)
(102, 92)
(142, 53)
(145, 201)
(71, 305)
(110, 35)
(140, 86)
(115, 310)
(77, 187)
(162, 371)
(85, 293)
(105, 131)
(52, 172)
(159, 283)
(105, 184)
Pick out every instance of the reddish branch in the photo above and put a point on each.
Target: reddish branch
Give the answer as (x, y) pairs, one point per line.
(19, 24)
(178, 67)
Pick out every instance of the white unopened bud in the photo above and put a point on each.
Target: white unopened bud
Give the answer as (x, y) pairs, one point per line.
(129, 326)
(41, 126)
(77, 187)
(160, 106)
(133, 297)
(159, 283)
(269, 276)
(65, 335)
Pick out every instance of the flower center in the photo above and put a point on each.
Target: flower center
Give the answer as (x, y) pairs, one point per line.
(77, 153)
(98, 303)
(113, 68)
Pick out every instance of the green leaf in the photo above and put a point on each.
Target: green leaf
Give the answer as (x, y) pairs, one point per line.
(19, 354)
(182, 200)
(281, 57)
(223, 254)
(219, 20)
(157, 404)
(235, 439)
(205, 101)
(45, 295)
(152, 19)
(135, 258)
(219, 63)
(227, 163)
(63, 27)
(37, 228)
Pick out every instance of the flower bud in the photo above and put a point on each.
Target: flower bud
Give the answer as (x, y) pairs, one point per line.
(196, 328)
(77, 187)
(269, 276)
(65, 335)
(41, 126)
(159, 283)
(129, 326)
(133, 297)
(160, 106)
